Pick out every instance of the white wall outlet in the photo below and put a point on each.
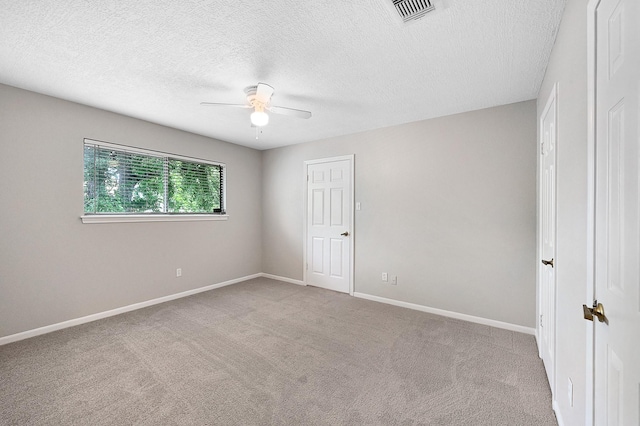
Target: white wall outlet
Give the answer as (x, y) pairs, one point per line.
(358, 206)
(179, 272)
(394, 280)
(385, 277)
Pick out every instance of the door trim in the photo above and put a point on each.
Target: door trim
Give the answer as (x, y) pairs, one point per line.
(352, 242)
(589, 329)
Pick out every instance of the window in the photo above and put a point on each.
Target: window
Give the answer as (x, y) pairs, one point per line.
(126, 181)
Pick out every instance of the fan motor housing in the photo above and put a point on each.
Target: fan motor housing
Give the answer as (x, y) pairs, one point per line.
(252, 99)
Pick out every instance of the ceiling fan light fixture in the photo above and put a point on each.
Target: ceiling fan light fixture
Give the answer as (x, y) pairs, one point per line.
(259, 98)
(259, 118)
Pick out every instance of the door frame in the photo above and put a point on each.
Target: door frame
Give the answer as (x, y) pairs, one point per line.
(589, 329)
(307, 163)
(553, 97)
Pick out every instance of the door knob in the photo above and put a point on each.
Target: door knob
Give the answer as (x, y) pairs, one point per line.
(345, 234)
(547, 262)
(597, 310)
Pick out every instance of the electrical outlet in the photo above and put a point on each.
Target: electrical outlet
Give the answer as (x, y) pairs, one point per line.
(385, 277)
(394, 280)
(179, 272)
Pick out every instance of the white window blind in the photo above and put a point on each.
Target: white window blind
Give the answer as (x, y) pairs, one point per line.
(126, 180)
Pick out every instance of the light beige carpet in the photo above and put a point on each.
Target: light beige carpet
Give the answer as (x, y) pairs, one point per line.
(265, 352)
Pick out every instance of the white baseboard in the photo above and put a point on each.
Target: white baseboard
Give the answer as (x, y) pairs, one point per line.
(464, 317)
(100, 315)
(285, 279)
(537, 336)
(94, 317)
(556, 410)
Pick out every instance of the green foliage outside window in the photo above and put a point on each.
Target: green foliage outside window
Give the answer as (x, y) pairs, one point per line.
(193, 187)
(125, 182)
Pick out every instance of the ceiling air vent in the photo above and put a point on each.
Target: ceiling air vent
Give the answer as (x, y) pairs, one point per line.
(413, 9)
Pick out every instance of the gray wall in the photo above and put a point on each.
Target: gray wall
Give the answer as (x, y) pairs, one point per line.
(568, 67)
(54, 268)
(448, 205)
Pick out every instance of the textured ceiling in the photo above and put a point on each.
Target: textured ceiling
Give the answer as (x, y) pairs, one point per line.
(354, 64)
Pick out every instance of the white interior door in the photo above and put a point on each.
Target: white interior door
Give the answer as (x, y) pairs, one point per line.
(329, 224)
(617, 236)
(547, 286)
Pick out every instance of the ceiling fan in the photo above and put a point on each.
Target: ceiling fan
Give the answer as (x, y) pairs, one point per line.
(259, 98)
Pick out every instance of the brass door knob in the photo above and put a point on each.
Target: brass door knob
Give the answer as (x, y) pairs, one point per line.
(587, 312)
(547, 262)
(345, 234)
(597, 310)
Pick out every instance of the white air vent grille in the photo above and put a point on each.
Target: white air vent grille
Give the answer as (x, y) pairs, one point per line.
(413, 9)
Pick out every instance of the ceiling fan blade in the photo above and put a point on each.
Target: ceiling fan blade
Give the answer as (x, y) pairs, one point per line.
(226, 105)
(264, 93)
(290, 111)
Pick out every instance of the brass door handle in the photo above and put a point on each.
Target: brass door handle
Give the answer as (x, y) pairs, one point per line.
(345, 234)
(597, 310)
(547, 262)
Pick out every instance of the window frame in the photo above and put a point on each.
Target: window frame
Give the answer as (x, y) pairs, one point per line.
(163, 216)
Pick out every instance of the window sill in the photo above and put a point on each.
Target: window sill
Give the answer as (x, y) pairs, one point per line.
(129, 218)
